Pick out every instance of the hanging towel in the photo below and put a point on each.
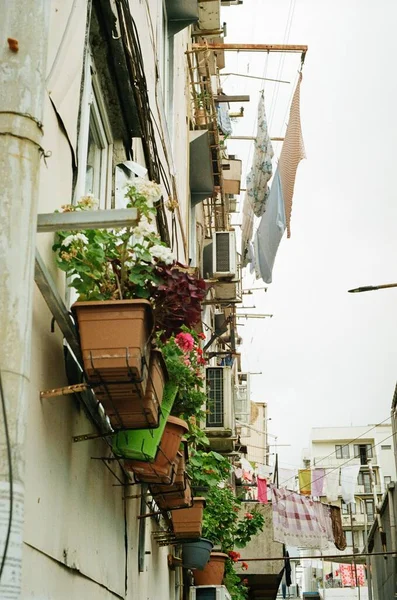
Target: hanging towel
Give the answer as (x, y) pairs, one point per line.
(305, 480)
(287, 478)
(337, 529)
(332, 485)
(348, 481)
(262, 490)
(291, 154)
(295, 521)
(261, 171)
(270, 232)
(318, 482)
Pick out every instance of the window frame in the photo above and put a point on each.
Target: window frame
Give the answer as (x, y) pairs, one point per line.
(339, 450)
(93, 116)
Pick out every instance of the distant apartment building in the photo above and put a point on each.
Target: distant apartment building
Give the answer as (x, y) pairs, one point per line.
(335, 447)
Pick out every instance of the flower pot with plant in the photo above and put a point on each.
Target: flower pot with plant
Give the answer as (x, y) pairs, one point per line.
(177, 495)
(196, 553)
(123, 277)
(187, 522)
(164, 467)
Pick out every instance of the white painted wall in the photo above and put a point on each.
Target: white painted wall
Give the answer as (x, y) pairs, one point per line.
(81, 539)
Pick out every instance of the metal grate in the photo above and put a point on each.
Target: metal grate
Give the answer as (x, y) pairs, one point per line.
(222, 252)
(215, 391)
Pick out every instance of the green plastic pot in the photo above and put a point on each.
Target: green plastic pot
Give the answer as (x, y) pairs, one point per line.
(142, 444)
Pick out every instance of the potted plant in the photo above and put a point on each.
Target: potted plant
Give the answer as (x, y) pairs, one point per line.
(196, 553)
(185, 365)
(178, 494)
(128, 283)
(207, 469)
(187, 522)
(223, 526)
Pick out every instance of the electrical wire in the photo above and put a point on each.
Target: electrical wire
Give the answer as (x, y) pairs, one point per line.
(10, 476)
(339, 466)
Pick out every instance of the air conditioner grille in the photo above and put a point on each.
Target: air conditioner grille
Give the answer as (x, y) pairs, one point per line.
(222, 253)
(215, 392)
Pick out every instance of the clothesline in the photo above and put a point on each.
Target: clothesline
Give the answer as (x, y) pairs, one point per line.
(326, 557)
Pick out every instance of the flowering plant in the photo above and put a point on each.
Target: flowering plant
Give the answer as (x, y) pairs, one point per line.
(222, 523)
(207, 468)
(236, 587)
(131, 262)
(184, 359)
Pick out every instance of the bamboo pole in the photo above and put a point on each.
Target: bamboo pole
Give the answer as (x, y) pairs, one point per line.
(330, 557)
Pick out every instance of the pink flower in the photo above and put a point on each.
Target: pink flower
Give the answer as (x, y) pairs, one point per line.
(185, 342)
(249, 516)
(201, 336)
(244, 566)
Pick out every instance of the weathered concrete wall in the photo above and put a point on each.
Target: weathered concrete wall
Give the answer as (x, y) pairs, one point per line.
(262, 545)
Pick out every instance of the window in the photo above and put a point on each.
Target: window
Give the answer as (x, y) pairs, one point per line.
(370, 508)
(346, 509)
(349, 537)
(387, 480)
(364, 479)
(363, 452)
(342, 451)
(95, 142)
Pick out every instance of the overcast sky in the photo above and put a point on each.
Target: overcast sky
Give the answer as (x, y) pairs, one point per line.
(328, 358)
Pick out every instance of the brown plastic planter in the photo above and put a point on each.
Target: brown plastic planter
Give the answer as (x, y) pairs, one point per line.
(213, 572)
(124, 404)
(114, 338)
(177, 495)
(187, 522)
(163, 469)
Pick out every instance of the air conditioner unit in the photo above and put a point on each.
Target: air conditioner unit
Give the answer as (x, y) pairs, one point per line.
(209, 592)
(224, 257)
(219, 409)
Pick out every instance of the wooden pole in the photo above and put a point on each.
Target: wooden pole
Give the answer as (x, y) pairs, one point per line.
(250, 48)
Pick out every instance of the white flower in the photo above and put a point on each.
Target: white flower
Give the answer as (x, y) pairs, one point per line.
(75, 238)
(163, 253)
(149, 189)
(88, 202)
(144, 227)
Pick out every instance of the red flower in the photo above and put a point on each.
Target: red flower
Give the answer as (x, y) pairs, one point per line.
(244, 566)
(234, 555)
(185, 341)
(245, 581)
(249, 516)
(201, 336)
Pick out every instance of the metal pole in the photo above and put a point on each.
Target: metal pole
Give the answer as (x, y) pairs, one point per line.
(23, 52)
(353, 555)
(368, 557)
(251, 47)
(393, 534)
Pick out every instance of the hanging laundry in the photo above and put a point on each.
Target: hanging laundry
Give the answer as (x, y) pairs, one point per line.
(287, 478)
(305, 481)
(287, 567)
(323, 512)
(257, 179)
(262, 490)
(263, 471)
(293, 151)
(270, 232)
(348, 575)
(332, 485)
(348, 481)
(295, 521)
(318, 482)
(337, 529)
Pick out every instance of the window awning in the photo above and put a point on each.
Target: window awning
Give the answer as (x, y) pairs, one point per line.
(181, 14)
(200, 167)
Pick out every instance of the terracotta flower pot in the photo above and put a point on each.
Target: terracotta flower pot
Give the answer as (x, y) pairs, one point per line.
(213, 572)
(114, 338)
(187, 522)
(163, 469)
(126, 407)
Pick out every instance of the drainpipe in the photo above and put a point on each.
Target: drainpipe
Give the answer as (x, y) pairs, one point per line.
(393, 534)
(23, 52)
